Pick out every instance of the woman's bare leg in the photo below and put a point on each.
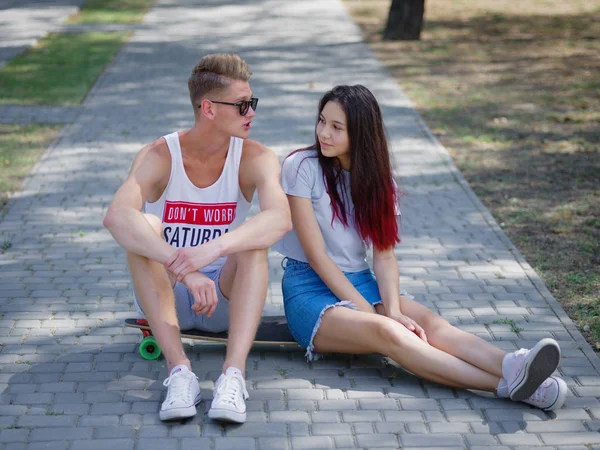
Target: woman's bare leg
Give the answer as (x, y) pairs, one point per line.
(450, 339)
(344, 330)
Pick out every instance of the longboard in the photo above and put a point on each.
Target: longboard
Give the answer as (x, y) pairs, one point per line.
(271, 330)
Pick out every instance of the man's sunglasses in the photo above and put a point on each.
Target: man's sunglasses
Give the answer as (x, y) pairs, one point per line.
(243, 105)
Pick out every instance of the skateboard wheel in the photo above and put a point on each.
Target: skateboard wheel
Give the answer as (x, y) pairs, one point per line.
(149, 348)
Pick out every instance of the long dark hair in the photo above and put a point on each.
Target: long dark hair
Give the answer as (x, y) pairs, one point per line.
(372, 186)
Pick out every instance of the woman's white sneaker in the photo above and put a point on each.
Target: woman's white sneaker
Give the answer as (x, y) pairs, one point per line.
(229, 397)
(550, 395)
(525, 370)
(183, 394)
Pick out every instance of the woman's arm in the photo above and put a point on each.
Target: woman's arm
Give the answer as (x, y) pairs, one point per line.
(310, 236)
(385, 267)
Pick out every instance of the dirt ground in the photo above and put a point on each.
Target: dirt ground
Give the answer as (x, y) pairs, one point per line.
(512, 90)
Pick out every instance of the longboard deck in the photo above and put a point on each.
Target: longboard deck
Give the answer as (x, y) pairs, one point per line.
(272, 330)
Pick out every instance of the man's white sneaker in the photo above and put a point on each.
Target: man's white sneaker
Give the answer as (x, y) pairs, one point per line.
(550, 395)
(525, 370)
(183, 394)
(229, 397)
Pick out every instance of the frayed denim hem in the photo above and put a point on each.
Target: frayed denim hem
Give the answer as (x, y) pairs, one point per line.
(380, 302)
(310, 354)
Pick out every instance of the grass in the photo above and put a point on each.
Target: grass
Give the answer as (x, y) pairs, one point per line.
(512, 91)
(20, 148)
(513, 325)
(59, 70)
(112, 11)
(588, 316)
(281, 371)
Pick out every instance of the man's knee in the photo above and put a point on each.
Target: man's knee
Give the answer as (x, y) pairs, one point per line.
(251, 257)
(155, 223)
(251, 263)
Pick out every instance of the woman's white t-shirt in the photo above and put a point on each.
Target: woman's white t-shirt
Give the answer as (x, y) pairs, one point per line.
(301, 176)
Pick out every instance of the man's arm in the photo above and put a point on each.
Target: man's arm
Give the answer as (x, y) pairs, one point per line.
(260, 169)
(150, 170)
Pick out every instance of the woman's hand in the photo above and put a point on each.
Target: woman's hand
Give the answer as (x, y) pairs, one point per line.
(410, 324)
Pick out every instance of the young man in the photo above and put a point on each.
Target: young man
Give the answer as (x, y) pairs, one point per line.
(193, 260)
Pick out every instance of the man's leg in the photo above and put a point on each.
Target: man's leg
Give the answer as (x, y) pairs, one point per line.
(154, 292)
(243, 280)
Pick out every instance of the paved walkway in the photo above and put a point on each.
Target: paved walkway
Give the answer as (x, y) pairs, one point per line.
(70, 375)
(43, 114)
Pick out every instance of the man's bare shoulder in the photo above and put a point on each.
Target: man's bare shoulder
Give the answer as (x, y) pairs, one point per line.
(155, 155)
(152, 168)
(253, 149)
(255, 152)
(258, 162)
(157, 150)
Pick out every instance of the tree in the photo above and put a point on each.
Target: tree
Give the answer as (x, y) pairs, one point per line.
(405, 20)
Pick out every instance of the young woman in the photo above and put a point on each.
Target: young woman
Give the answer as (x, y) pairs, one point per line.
(343, 198)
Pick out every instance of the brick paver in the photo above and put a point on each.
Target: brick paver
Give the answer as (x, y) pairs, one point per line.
(29, 114)
(70, 375)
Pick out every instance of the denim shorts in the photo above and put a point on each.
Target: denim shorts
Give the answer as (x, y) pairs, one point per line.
(306, 298)
(187, 317)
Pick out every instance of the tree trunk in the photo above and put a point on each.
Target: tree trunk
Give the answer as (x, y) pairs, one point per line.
(405, 20)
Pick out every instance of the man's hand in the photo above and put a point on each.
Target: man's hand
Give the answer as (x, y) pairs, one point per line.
(204, 291)
(410, 324)
(187, 260)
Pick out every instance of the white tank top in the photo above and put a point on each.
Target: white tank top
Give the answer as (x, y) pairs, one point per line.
(192, 216)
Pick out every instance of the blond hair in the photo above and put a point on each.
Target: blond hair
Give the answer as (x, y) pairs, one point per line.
(214, 73)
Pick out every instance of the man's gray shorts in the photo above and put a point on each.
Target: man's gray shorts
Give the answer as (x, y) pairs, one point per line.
(188, 319)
